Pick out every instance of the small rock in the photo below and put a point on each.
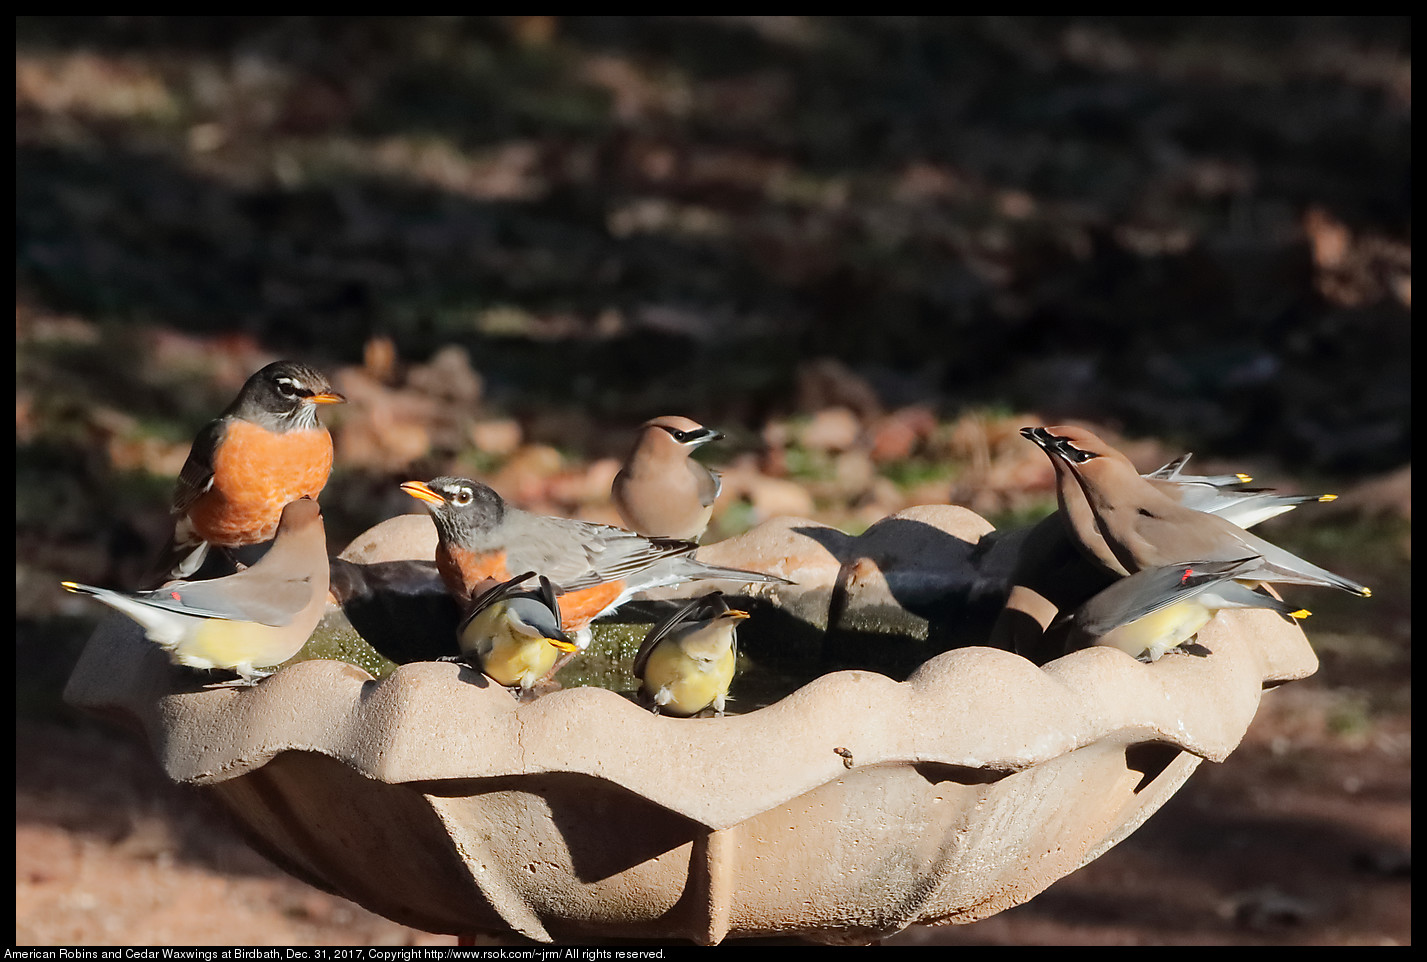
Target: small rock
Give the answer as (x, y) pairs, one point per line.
(498, 436)
(831, 429)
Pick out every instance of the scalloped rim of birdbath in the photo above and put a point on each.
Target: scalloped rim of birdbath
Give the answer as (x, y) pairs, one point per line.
(968, 709)
(971, 707)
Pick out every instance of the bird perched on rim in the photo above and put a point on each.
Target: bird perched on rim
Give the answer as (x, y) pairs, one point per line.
(265, 450)
(1226, 495)
(686, 661)
(513, 635)
(660, 491)
(1156, 610)
(1128, 522)
(597, 566)
(257, 618)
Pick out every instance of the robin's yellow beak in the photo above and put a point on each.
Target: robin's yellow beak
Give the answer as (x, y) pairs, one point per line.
(328, 397)
(420, 491)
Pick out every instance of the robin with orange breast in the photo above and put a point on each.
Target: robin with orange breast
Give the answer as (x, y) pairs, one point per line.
(598, 566)
(266, 450)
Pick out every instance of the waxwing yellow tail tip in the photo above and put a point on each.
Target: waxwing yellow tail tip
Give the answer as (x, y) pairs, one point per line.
(1300, 614)
(69, 585)
(1328, 497)
(1367, 593)
(1244, 478)
(563, 645)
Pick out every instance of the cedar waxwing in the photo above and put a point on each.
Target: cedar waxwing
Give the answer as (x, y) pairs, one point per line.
(597, 566)
(262, 453)
(1157, 609)
(1127, 519)
(1227, 495)
(1051, 575)
(259, 617)
(661, 491)
(514, 636)
(685, 663)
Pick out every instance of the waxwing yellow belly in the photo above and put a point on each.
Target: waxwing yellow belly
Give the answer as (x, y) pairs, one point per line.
(510, 651)
(681, 685)
(1160, 631)
(217, 643)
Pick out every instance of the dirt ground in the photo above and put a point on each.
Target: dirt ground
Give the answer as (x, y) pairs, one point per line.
(1302, 838)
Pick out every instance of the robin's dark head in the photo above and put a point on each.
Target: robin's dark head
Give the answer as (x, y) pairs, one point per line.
(458, 505)
(285, 391)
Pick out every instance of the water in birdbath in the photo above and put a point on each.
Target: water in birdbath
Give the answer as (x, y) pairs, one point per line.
(778, 653)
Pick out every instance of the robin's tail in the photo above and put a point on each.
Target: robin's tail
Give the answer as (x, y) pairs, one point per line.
(180, 560)
(695, 570)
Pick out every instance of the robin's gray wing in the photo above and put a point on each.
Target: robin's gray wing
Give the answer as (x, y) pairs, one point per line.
(196, 476)
(578, 554)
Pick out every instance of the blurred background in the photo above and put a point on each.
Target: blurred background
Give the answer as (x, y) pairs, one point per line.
(868, 249)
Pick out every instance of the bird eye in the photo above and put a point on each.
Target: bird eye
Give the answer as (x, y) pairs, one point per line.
(288, 386)
(463, 496)
(681, 436)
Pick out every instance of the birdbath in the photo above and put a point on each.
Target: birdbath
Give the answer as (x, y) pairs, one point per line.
(843, 812)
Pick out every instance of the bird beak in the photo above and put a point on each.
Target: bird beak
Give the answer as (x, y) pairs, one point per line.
(329, 397)
(1040, 436)
(420, 490)
(1058, 446)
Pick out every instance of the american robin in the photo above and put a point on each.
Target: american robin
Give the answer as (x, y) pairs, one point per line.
(597, 566)
(660, 491)
(513, 635)
(264, 451)
(686, 662)
(1129, 521)
(259, 617)
(1156, 610)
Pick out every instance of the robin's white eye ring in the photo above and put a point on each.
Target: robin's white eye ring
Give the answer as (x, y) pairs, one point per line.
(464, 496)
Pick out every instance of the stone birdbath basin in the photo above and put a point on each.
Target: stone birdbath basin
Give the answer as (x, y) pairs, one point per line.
(848, 809)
